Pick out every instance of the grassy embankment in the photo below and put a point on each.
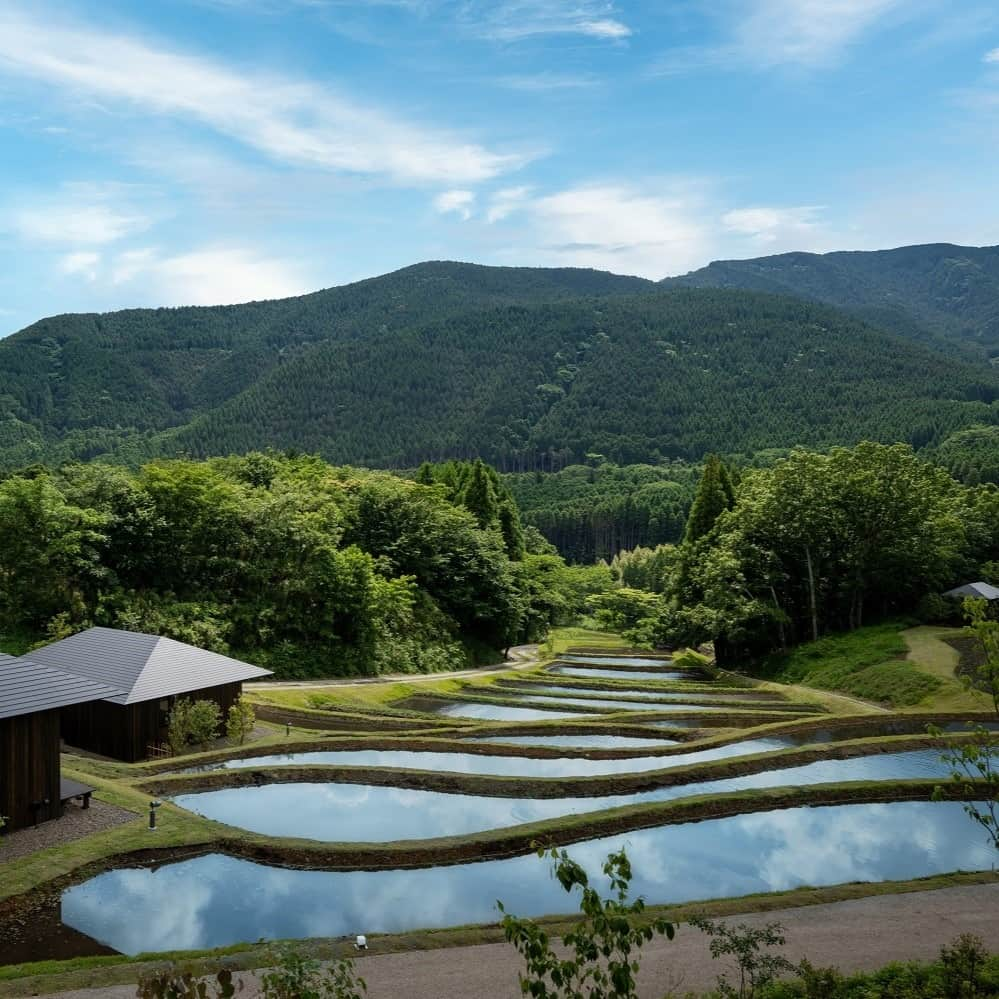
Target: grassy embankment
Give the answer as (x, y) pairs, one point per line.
(909, 669)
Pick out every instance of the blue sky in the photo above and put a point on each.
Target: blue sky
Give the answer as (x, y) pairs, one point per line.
(171, 152)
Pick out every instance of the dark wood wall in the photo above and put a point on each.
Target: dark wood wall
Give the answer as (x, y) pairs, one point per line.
(29, 768)
(125, 732)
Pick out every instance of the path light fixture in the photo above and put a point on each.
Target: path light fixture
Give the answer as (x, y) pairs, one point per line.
(153, 805)
(287, 729)
(361, 943)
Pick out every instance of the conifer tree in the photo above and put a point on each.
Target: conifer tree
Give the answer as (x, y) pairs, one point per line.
(479, 495)
(714, 496)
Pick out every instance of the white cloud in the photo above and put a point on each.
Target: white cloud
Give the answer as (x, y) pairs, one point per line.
(767, 34)
(544, 82)
(651, 232)
(505, 202)
(293, 121)
(514, 20)
(806, 31)
(769, 224)
(459, 202)
(209, 276)
(992, 56)
(83, 263)
(80, 214)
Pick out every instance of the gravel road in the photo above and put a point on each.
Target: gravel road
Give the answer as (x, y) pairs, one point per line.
(855, 935)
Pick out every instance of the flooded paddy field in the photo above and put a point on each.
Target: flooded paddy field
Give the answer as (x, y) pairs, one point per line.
(342, 812)
(216, 900)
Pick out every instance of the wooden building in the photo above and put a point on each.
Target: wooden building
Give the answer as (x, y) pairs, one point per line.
(32, 696)
(148, 674)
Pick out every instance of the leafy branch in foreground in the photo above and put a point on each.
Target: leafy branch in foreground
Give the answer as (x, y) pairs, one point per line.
(975, 762)
(602, 962)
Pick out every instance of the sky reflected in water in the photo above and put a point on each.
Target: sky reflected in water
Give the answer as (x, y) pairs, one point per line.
(619, 674)
(215, 900)
(363, 813)
(503, 766)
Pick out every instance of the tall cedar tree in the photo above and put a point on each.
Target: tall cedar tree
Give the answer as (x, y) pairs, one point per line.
(714, 496)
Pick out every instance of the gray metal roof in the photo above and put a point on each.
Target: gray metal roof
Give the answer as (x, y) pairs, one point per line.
(983, 590)
(143, 667)
(27, 687)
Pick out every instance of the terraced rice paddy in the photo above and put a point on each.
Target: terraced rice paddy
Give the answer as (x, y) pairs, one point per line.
(214, 900)
(408, 802)
(362, 813)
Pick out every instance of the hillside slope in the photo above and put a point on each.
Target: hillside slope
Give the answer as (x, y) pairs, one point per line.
(527, 368)
(934, 291)
(81, 385)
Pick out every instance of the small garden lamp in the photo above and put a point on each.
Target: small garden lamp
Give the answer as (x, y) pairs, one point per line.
(153, 805)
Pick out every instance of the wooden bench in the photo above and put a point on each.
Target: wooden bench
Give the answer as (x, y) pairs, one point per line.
(70, 790)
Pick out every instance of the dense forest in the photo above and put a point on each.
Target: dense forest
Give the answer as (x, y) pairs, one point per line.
(933, 292)
(593, 512)
(531, 370)
(815, 543)
(291, 563)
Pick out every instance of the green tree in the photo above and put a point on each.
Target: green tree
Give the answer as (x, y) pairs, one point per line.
(240, 720)
(49, 561)
(714, 496)
(602, 947)
(752, 949)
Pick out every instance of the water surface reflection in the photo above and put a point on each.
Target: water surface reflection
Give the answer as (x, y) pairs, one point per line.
(370, 814)
(215, 900)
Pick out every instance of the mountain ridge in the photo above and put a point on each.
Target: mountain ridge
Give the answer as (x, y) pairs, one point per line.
(932, 291)
(531, 368)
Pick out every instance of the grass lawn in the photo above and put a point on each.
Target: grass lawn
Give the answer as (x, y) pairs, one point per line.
(889, 664)
(869, 663)
(561, 640)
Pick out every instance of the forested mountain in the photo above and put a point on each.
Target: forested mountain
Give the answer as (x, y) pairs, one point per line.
(937, 291)
(529, 369)
(80, 385)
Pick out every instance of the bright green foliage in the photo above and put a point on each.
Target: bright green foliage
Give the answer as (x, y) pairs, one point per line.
(204, 721)
(239, 721)
(646, 568)
(752, 948)
(48, 552)
(602, 959)
(965, 971)
(477, 488)
(179, 726)
(192, 723)
(814, 544)
(691, 659)
(287, 561)
(624, 609)
(868, 663)
(714, 496)
(298, 977)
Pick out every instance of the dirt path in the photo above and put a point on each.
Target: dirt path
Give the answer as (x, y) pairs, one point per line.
(856, 935)
(519, 657)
